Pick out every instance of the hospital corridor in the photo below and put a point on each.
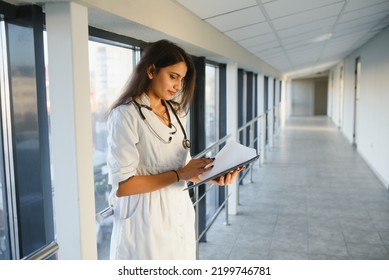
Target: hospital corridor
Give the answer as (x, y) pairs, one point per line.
(313, 198)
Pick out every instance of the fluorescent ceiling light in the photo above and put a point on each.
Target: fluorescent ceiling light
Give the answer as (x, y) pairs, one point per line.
(321, 38)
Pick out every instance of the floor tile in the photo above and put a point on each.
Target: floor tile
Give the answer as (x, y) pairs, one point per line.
(312, 198)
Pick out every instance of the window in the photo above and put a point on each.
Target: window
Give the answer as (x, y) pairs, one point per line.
(211, 126)
(110, 67)
(26, 212)
(5, 252)
(211, 104)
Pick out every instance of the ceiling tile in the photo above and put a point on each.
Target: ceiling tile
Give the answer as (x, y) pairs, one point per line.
(258, 40)
(321, 26)
(302, 39)
(306, 51)
(249, 31)
(282, 8)
(206, 8)
(237, 19)
(264, 47)
(382, 24)
(368, 21)
(361, 4)
(270, 52)
(308, 16)
(368, 11)
(351, 31)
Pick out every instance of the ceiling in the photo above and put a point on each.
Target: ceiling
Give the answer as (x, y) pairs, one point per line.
(295, 36)
(299, 38)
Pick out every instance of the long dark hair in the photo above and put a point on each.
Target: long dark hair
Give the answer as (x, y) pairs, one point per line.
(161, 54)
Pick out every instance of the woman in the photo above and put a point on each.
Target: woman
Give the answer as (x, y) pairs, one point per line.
(149, 162)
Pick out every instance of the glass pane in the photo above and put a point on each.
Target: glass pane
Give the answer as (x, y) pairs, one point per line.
(210, 105)
(33, 196)
(5, 253)
(4, 237)
(211, 129)
(109, 68)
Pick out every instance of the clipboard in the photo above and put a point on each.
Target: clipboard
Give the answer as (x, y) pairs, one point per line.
(221, 173)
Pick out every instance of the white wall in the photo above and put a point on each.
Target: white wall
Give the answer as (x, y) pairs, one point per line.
(283, 104)
(261, 123)
(270, 115)
(288, 99)
(373, 105)
(303, 97)
(335, 96)
(232, 127)
(348, 100)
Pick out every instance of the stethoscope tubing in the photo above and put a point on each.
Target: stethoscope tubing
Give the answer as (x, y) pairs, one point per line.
(185, 142)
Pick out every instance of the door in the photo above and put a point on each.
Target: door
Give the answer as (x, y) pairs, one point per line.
(356, 99)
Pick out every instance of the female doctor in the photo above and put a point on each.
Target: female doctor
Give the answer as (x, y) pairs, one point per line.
(149, 161)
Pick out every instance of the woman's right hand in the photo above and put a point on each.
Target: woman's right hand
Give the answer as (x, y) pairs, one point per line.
(194, 168)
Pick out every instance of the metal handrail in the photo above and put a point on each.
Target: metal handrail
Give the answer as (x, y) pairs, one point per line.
(214, 217)
(213, 146)
(252, 140)
(43, 253)
(249, 123)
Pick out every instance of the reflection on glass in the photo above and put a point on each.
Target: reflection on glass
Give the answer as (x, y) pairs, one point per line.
(34, 212)
(109, 68)
(210, 104)
(4, 238)
(211, 127)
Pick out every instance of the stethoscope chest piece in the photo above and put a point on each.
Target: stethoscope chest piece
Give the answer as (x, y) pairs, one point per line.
(186, 143)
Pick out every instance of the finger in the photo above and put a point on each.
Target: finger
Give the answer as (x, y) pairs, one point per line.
(206, 168)
(228, 178)
(208, 159)
(221, 180)
(202, 162)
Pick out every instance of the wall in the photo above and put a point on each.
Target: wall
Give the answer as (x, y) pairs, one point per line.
(303, 97)
(309, 96)
(372, 121)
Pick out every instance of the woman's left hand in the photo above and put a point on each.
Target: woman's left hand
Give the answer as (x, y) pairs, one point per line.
(227, 178)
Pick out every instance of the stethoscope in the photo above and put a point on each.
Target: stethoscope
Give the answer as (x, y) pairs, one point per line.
(185, 142)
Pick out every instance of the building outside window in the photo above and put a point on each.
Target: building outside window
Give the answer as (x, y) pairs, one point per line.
(110, 67)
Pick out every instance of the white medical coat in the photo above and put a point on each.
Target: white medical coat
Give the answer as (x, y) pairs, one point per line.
(159, 224)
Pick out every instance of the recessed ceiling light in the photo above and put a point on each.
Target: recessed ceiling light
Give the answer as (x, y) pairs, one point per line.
(321, 38)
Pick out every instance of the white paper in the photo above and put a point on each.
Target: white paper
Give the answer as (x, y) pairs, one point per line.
(230, 155)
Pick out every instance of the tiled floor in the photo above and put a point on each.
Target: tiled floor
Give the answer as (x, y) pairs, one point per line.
(313, 198)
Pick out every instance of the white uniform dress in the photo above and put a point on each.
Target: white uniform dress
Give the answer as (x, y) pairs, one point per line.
(156, 225)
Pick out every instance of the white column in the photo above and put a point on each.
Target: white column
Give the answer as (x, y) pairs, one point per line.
(271, 112)
(283, 103)
(232, 127)
(261, 123)
(71, 131)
